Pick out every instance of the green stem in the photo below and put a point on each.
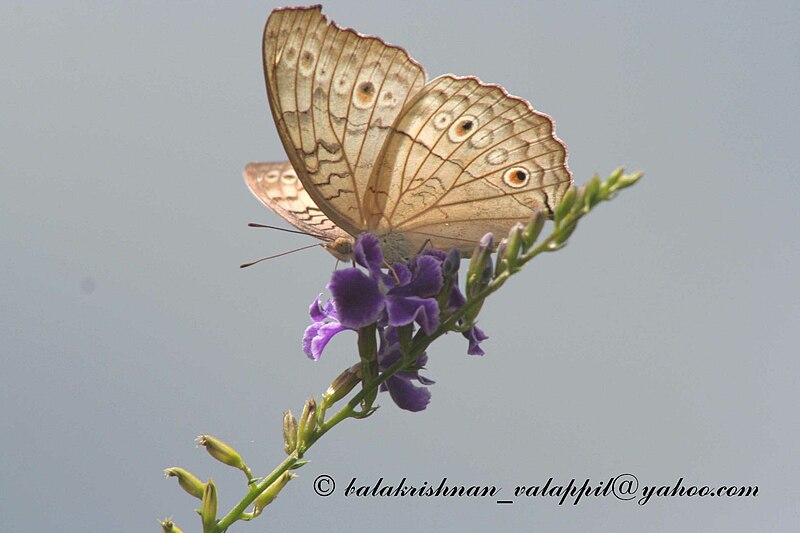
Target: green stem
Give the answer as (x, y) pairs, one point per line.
(368, 353)
(368, 349)
(419, 346)
(237, 512)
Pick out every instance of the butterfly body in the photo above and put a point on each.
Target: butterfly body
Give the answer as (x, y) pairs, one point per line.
(375, 148)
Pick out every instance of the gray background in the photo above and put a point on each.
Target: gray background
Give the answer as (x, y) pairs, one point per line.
(658, 343)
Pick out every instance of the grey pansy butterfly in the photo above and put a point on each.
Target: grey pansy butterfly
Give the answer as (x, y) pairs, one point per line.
(374, 148)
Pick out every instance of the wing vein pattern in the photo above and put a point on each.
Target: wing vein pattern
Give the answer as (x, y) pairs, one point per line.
(373, 147)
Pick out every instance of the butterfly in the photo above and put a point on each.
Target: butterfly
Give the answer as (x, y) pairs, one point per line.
(374, 147)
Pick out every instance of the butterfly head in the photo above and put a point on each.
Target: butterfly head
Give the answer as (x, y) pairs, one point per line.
(341, 248)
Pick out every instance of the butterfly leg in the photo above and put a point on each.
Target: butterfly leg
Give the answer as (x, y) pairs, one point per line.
(387, 265)
(425, 244)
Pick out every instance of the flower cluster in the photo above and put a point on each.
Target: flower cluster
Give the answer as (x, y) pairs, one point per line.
(398, 311)
(414, 294)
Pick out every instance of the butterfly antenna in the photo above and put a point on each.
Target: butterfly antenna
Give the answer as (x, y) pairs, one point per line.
(245, 265)
(254, 225)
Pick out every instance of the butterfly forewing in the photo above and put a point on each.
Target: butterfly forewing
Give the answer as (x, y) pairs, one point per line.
(334, 95)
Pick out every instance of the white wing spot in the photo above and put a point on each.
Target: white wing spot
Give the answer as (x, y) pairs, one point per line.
(498, 156)
(306, 62)
(442, 120)
(481, 139)
(388, 100)
(342, 85)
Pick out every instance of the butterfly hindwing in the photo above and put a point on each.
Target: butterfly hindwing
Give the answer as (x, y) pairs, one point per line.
(463, 159)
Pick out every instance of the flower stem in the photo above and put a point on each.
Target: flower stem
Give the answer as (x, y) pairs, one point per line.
(368, 352)
(239, 511)
(582, 203)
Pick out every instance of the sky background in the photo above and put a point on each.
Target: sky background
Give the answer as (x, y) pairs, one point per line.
(658, 343)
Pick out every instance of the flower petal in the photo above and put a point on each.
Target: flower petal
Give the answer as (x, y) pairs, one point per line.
(451, 262)
(441, 255)
(398, 275)
(388, 350)
(316, 311)
(316, 337)
(426, 278)
(475, 336)
(456, 299)
(405, 310)
(420, 363)
(320, 312)
(402, 272)
(425, 381)
(407, 395)
(308, 335)
(356, 297)
(367, 252)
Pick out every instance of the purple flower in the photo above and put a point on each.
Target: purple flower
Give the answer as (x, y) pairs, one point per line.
(399, 297)
(320, 331)
(357, 298)
(475, 336)
(403, 392)
(391, 297)
(456, 299)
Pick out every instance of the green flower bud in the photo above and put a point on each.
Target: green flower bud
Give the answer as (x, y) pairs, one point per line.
(614, 177)
(452, 262)
(168, 526)
(627, 180)
(565, 205)
(308, 422)
(502, 262)
(269, 495)
(580, 196)
(564, 234)
(289, 432)
(188, 481)
(486, 275)
(592, 192)
(450, 267)
(480, 256)
(222, 452)
(533, 229)
(514, 245)
(342, 385)
(208, 510)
